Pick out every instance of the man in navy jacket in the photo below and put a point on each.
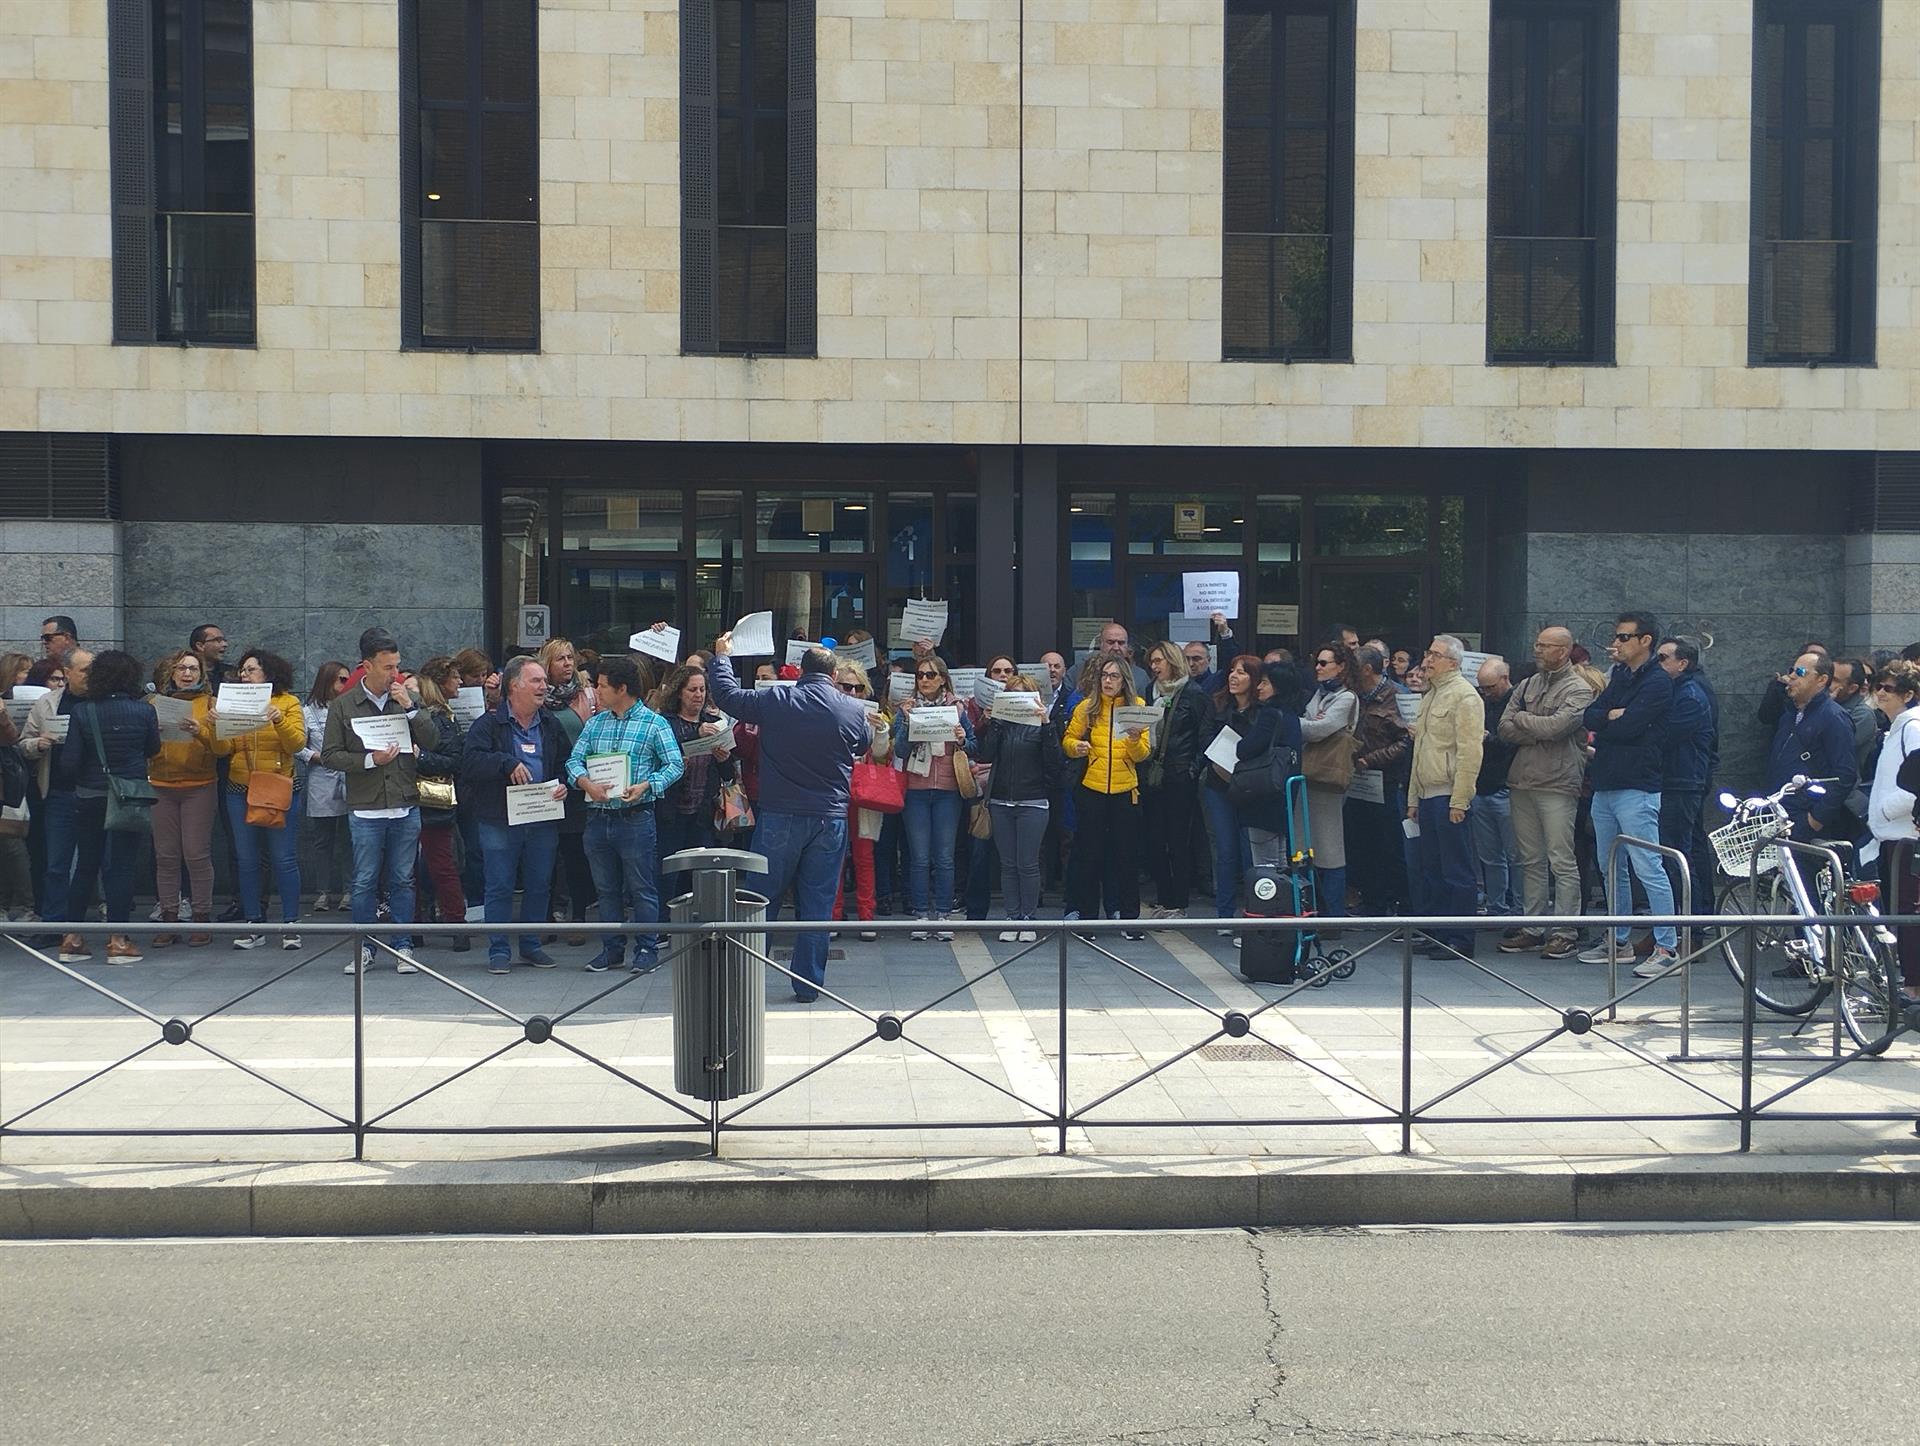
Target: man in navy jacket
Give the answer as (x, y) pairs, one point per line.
(1692, 747)
(1814, 736)
(1629, 726)
(810, 736)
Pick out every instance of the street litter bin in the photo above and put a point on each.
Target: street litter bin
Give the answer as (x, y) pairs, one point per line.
(719, 987)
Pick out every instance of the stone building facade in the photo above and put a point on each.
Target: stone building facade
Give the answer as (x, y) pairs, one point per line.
(1019, 302)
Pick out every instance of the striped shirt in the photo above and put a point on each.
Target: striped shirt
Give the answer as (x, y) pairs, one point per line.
(653, 755)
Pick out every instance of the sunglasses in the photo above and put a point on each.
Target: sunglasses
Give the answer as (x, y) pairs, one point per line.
(926, 673)
(1885, 688)
(1625, 637)
(849, 687)
(1799, 672)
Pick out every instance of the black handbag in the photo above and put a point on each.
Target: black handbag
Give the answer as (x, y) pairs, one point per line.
(1258, 780)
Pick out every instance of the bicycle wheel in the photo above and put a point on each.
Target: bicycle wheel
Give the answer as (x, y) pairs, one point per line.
(1867, 989)
(1787, 981)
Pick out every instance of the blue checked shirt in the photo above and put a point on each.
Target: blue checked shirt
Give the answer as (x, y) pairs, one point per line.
(653, 753)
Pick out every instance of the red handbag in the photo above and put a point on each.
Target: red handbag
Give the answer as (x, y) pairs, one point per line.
(879, 786)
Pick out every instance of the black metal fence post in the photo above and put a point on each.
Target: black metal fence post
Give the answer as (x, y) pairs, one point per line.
(359, 960)
(1061, 1148)
(1406, 1041)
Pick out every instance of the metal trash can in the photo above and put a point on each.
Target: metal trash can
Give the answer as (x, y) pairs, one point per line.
(719, 989)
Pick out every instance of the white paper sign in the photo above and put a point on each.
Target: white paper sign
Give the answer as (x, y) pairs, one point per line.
(928, 724)
(1222, 750)
(760, 685)
(386, 731)
(57, 727)
(532, 803)
(1129, 717)
(1369, 786)
(1022, 707)
(924, 620)
(708, 743)
(1409, 707)
(612, 771)
(985, 689)
(796, 650)
(1470, 664)
(468, 705)
(900, 685)
(862, 653)
(241, 708)
(173, 715)
(1206, 593)
(965, 680)
(25, 695)
(753, 635)
(663, 644)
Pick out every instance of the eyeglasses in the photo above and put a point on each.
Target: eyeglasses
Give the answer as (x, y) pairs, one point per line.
(1625, 637)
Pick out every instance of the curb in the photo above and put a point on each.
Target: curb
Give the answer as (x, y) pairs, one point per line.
(578, 1197)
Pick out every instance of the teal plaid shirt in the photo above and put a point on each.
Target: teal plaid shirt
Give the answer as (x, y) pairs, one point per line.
(653, 753)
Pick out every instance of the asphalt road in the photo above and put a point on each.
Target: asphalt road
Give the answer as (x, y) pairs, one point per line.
(1718, 1336)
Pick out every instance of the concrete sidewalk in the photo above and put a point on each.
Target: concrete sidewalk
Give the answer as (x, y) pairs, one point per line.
(474, 1127)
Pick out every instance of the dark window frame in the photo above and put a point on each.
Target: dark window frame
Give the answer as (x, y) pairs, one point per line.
(701, 229)
(523, 231)
(1855, 132)
(1338, 125)
(142, 220)
(1599, 135)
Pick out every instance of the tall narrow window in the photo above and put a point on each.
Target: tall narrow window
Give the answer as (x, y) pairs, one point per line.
(1287, 270)
(747, 177)
(1551, 151)
(1816, 123)
(181, 128)
(469, 175)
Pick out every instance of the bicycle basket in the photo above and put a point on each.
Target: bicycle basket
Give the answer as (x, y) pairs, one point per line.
(1733, 844)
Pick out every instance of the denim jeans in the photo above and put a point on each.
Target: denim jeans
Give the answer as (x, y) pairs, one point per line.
(1232, 855)
(110, 855)
(1494, 852)
(624, 854)
(806, 854)
(1445, 851)
(57, 810)
(1017, 833)
(383, 851)
(1629, 811)
(279, 845)
(524, 853)
(1679, 822)
(931, 821)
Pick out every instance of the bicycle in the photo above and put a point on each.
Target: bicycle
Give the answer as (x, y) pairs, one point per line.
(1797, 963)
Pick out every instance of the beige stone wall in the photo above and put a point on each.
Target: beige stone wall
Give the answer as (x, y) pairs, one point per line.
(929, 330)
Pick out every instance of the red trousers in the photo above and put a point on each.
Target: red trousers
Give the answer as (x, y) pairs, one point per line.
(862, 851)
(436, 857)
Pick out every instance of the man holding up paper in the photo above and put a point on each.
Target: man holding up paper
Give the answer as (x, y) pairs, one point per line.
(515, 769)
(382, 795)
(624, 759)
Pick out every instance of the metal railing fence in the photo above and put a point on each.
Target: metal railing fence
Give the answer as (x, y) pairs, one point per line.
(1586, 1008)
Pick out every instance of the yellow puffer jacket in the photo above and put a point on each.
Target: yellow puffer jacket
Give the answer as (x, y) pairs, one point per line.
(270, 749)
(1109, 769)
(185, 762)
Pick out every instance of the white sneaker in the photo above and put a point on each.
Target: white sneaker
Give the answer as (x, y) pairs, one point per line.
(1655, 964)
(154, 917)
(1009, 936)
(1223, 933)
(1597, 954)
(251, 941)
(1236, 941)
(289, 941)
(1027, 936)
(360, 962)
(919, 934)
(405, 963)
(944, 934)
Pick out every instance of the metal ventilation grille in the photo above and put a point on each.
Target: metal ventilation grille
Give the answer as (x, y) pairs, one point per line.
(1889, 500)
(66, 476)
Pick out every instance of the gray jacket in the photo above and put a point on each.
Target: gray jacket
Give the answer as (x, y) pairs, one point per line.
(1544, 722)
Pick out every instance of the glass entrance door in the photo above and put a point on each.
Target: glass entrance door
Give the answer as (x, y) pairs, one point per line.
(1388, 602)
(819, 602)
(604, 603)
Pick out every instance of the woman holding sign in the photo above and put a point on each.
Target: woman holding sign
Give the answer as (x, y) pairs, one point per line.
(851, 678)
(1234, 708)
(940, 742)
(182, 774)
(1170, 799)
(1329, 728)
(684, 817)
(438, 766)
(1024, 752)
(1105, 866)
(261, 803)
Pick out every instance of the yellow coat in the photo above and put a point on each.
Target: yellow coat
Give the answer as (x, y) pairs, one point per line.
(1109, 769)
(185, 762)
(271, 748)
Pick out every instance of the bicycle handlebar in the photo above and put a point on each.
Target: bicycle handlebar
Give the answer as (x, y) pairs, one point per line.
(1799, 783)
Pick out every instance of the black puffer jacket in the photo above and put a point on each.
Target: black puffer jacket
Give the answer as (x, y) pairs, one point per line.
(1026, 759)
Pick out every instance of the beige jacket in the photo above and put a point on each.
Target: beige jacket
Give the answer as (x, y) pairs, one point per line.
(1448, 739)
(1545, 723)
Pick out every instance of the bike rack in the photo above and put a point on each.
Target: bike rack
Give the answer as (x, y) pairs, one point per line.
(1684, 963)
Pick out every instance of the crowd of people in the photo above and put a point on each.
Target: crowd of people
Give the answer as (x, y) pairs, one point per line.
(550, 789)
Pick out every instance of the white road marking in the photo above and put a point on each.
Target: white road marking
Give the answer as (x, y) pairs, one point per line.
(1021, 1054)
